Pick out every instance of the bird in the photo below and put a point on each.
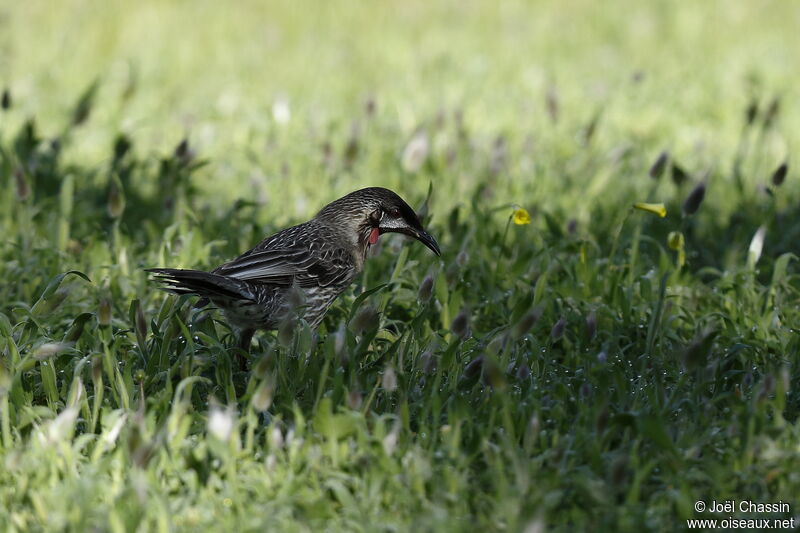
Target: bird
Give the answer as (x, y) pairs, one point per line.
(301, 268)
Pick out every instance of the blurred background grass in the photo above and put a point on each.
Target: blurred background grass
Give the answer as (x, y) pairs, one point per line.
(663, 74)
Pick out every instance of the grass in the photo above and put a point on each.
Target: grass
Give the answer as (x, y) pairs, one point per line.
(565, 374)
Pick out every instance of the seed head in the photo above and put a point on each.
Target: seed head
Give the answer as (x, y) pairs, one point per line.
(460, 325)
(591, 325)
(533, 427)
(779, 175)
(552, 103)
(695, 198)
(572, 226)
(262, 398)
(389, 379)
(116, 200)
(49, 350)
(679, 176)
(752, 112)
(122, 144)
(183, 153)
(286, 331)
(354, 400)
(772, 112)
(492, 375)
(353, 147)
(339, 339)
(756, 246)
(264, 366)
(23, 190)
(427, 362)
(473, 368)
(276, 439)
(659, 165)
(295, 299)
(390, 440)
(451, 275)
(84, 106)
(425, 289)
(524, 325)
(104, 312)
(366, 319)
(699, 349)
(281, 112)
(141, 322)
(416, 152)
(97, 369)
(558, 329)
(370, 106)
(221, 422)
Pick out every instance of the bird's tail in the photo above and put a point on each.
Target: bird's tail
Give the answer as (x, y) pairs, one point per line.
(201, 283)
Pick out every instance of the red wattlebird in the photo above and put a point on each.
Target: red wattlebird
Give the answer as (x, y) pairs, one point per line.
(320, 258)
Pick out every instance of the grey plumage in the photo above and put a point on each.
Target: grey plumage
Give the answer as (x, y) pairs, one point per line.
(305, 266)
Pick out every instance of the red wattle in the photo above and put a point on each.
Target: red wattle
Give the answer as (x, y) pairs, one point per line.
(373, 235)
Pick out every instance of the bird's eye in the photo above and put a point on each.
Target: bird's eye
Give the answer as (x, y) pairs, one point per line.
(394, 213)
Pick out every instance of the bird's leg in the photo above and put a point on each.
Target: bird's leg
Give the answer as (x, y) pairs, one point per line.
(245, 337)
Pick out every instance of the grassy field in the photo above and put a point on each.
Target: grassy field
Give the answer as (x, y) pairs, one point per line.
(601, 367)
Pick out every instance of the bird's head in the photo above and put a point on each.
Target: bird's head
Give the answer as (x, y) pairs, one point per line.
(369, 213)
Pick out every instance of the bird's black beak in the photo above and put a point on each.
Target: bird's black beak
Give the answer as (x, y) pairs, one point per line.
(421, 235)
(425, 238)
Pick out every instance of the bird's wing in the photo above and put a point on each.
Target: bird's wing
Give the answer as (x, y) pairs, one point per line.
(300, 266)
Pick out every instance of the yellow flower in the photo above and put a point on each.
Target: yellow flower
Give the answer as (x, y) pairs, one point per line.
(676, 242)
(521, 217)
(658, 209)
